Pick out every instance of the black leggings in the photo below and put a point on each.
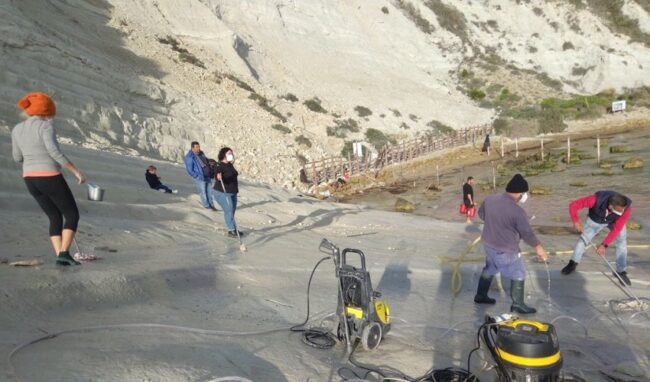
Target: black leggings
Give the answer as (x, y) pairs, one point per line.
(55, 198)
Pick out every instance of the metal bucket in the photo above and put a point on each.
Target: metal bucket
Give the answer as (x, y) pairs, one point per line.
(95, 193)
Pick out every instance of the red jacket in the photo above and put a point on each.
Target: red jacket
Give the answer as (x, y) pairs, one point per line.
(589, 202)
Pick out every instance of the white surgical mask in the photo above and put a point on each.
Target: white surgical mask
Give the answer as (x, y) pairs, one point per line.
(230, 158)
(523, 198)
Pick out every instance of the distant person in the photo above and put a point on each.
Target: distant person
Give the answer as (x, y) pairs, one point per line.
(607, 209)
(153, 179)
(198, 167)
(34, 143)
(468, 198)
(226, 188)
(486, 144)
(505, 224)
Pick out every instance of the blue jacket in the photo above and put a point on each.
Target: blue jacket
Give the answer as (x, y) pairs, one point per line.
(193, 166)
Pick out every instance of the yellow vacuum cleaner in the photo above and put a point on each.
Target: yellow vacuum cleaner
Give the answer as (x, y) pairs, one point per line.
(524, 350)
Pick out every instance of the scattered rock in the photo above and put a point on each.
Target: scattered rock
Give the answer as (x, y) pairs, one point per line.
(403, 205)
(605, 164)
(578, 184)
(433, 187)
(634, 162)
(602, 173)
(26, 263)
(633, 226)
(619, 149)
(541, 190)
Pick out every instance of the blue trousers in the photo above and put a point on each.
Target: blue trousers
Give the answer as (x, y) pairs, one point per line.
(203, 187)
(228, 203)
(590, 230)
(510, 265)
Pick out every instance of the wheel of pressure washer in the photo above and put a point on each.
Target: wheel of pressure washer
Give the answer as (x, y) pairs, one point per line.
(371, 336)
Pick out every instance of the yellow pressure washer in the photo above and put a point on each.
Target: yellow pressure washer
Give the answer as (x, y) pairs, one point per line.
(363, 316)
(524, 350)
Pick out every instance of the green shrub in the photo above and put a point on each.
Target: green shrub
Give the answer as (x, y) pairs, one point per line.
(476, 94)
(302, 140)
(342, 127)
(290, 97)
(449, 18)
(183, 54)
(414, 117)
(439, 128)
(396, 112)
(464, 73)
(501, 126)
(301, 158)
(264, 104)
(384, 9)
(314, 105)
(567, 45)
(362, 111)
(538, 11)
(551, 121)
(413, 14)
(239, 82)
(376, 138)
(404, 126)
(281, 128)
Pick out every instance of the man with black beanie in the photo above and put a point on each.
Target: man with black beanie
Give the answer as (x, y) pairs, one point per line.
(505, 224)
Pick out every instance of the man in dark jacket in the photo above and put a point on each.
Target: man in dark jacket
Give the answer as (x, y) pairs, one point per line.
(153, 179)
(607, 209)
(505, 224)
(198, 167)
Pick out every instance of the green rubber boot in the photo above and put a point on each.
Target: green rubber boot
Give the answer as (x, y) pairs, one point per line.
(482, 291)
(517, 294)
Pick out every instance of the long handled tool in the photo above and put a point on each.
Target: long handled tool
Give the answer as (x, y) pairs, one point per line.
(626, 288)
(242, 247)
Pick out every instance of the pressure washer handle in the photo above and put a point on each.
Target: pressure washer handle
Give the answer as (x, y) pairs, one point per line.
(329, 247)
(358, 252)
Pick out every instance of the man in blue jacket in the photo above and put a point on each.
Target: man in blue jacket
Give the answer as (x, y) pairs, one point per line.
(198, 167)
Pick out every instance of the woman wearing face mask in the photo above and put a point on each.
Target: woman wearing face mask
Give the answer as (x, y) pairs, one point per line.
(226, 188)
(35, 145)
(505, 224)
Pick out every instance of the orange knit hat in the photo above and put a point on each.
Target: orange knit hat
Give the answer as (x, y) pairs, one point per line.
(38, 104)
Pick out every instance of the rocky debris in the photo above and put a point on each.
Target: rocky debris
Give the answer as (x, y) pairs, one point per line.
(619, 149)
(578, 184)
(541, 190)
(634, 162)
(403, 205)
(605, 164)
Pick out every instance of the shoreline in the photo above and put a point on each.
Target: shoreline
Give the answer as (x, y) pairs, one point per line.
(454, 159)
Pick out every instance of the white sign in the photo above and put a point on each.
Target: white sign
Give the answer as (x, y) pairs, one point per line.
(618, 106)
(357, 149)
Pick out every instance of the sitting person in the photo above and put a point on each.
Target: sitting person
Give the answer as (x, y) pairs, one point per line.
(154, 181)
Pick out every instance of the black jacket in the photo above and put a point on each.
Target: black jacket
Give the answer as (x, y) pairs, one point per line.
(229, 177)
(152, 179)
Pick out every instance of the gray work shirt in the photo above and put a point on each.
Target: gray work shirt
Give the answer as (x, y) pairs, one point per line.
(505, 224)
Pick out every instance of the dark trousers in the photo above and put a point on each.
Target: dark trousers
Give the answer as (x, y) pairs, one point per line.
(55, 199)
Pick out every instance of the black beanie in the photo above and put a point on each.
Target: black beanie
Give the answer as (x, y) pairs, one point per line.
(517, 184)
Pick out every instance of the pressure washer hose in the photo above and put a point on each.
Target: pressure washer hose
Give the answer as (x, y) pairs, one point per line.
(456, 278)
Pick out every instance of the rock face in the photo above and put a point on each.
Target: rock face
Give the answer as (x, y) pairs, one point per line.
(403, 205)
(148, 77)
(634, 162)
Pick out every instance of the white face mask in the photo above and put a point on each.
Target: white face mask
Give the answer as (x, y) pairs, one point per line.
(230, 158)
(523, 198)
(616, 212)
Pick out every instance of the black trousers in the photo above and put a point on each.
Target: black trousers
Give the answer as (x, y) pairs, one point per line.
(56, 200)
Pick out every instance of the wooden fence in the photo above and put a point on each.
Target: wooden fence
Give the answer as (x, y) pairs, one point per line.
(331, 168)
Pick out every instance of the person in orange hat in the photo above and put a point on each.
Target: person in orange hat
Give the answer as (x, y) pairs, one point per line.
(35, 145)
